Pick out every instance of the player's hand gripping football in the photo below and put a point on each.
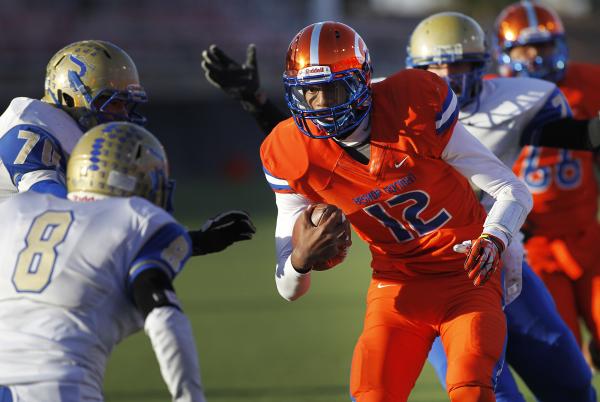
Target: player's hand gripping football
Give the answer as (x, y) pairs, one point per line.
(222, 231)
(240, 81)
(317, 244)
(483, 257)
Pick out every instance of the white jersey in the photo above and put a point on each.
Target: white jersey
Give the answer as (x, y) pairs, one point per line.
(507, 110)
(65, 268)
(35, 141)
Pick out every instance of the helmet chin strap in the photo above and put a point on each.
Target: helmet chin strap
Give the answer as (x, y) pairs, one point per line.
(358, 136)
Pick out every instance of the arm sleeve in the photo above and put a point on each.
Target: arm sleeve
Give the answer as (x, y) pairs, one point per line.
(30, 154)
(171, 336)
(474, 161)
(290, 283)
(555, 108)
(149, 279)
(267, 115)
(567, 133)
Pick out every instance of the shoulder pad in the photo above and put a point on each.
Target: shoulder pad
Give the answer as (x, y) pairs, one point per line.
(284, 151)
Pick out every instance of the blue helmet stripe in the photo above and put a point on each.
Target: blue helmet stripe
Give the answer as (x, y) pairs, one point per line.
(531, 16)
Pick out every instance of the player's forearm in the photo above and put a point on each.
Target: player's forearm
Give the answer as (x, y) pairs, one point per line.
(567, 133)
(513, 200)
(290, 283)
(266, 114)
(172, 340)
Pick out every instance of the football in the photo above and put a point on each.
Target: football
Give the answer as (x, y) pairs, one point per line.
(317, 216)
(319, 212)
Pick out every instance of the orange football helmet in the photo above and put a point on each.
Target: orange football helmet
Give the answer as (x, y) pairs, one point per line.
(527, 23)
(328, 60)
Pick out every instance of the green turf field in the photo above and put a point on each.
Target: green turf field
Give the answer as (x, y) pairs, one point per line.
(253, 345)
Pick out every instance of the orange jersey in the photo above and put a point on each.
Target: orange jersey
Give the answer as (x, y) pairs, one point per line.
(407, 203)
(581, 87)
(563, 182)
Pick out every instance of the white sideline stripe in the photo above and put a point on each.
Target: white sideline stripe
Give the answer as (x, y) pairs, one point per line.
(447, 113)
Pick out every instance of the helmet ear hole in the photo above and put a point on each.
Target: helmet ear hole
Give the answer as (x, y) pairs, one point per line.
(69, 101)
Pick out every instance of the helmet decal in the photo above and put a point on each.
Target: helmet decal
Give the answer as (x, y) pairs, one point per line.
(314, 43)
(95, 82)
(119, 159)
(533, 21)
(81, 65)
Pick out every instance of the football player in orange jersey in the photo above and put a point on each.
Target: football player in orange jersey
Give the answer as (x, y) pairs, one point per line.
(394, 158)
(563, 225)
(547, 341)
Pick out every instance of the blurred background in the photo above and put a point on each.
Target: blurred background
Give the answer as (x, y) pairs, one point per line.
(253, 346)
(204, 132)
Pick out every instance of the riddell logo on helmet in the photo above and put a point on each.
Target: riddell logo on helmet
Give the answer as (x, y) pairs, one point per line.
(314, 71)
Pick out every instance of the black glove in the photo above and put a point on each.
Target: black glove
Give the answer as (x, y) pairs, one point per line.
(222, 231)
(241, 82)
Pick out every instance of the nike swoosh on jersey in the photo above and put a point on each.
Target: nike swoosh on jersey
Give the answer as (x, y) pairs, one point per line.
(399, 164)
(382, 285)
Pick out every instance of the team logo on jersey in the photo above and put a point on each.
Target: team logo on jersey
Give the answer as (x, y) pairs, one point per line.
(400, 184)
(392, 188)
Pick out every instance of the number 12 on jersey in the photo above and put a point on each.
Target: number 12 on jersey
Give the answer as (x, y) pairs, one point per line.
(35, 262)
(418, 202)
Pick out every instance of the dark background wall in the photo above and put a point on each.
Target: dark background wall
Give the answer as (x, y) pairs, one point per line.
(205, 133)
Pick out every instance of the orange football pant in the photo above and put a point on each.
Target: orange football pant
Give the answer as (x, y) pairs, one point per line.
(403, 318)
(570, 269)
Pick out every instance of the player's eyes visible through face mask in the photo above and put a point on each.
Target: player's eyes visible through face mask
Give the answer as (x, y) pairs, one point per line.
(444, 70)
(325, 95)
(112, 105)
(528, 53)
